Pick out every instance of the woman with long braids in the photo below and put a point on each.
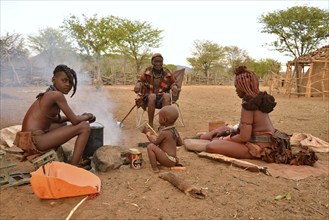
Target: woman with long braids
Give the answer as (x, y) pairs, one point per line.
(43, 126)
(255, 136)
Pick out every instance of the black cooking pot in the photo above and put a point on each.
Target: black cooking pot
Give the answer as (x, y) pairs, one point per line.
(96, 139)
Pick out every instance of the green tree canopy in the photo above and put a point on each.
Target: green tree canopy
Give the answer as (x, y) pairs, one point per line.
(206, 56)
(235, 57)
(300, 29)
(136, 39)
(52, 43)
(171, 67)
(95, 36)
(263, 67)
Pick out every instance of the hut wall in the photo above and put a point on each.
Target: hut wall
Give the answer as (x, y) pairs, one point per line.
(316, 79)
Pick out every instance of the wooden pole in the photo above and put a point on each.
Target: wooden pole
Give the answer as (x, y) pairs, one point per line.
(309, 82)
(324, 71)
(287, 81)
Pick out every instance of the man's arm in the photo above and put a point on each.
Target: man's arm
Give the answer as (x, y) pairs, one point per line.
(174, 86)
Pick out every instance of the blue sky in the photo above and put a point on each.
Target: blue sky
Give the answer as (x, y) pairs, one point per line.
(228, 23)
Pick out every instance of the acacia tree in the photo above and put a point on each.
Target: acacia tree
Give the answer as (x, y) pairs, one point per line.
(94, 36)
(299, 29)
(13, 48)
(51, 43)
(263, 67)
(136, 39)
(235, 57)
(206, 55)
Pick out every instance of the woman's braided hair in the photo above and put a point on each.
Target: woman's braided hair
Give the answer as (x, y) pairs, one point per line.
(71, 74)
(247, 81)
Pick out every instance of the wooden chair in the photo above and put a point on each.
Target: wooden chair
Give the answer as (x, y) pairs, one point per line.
(179, 74)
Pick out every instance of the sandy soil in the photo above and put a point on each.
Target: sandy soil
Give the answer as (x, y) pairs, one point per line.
(231, 192)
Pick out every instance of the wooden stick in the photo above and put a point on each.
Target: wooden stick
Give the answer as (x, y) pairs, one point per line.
(172, 168)
(75, 208)
(150, 127)
(182, 185)
(128, 113)
(239, 163)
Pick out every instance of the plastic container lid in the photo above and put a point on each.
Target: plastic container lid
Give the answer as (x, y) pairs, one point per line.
(134, 151)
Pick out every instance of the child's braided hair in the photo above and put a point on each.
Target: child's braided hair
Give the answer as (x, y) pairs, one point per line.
(71, 74)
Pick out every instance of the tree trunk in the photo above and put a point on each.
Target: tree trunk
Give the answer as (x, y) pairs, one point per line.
(98, 80)
(14, 70)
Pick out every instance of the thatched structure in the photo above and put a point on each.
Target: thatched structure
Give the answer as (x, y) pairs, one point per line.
(313, 82)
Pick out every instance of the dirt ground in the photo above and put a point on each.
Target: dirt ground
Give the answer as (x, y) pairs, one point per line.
(231, 192)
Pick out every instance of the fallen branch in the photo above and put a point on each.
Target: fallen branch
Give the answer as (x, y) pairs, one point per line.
(75, 208)
(134, 204)
(239, 163)
(182, 185)
(172, 168)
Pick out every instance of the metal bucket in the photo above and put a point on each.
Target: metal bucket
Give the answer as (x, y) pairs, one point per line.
(96, 139)
(136, 159)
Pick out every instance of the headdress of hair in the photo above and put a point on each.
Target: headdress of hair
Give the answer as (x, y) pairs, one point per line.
(246, 81)
(71, 74)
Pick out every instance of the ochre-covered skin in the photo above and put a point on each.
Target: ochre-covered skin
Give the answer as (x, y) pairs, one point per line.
(162, 148)
(256, 136)
(49, 128)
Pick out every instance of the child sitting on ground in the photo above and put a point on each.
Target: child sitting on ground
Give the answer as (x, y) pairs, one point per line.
(162, 148)
(44, 128)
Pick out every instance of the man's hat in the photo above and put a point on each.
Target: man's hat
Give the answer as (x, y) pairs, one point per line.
(156, 55)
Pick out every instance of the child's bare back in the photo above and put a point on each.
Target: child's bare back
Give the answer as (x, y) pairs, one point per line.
(162, 148)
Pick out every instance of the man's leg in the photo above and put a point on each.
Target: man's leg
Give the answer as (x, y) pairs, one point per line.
(151, 108)
(165, 99)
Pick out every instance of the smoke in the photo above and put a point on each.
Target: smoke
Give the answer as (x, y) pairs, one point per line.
(37, 71)
(97, 102)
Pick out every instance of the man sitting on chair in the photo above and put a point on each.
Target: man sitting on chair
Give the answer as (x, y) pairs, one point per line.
(154, 86)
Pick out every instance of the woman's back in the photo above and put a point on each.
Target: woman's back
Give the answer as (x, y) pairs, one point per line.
(262, 124)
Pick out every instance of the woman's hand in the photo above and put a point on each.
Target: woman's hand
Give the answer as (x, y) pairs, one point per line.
(227, 138)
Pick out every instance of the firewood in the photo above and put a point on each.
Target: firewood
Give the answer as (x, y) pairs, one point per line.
(239, 163)
(182, 185)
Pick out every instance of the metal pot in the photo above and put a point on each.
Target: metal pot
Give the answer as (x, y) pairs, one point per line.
(95, 140)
